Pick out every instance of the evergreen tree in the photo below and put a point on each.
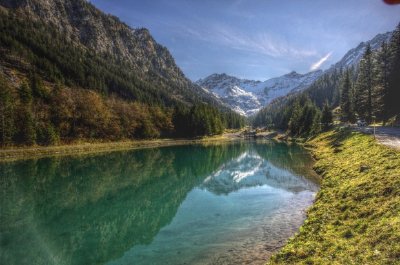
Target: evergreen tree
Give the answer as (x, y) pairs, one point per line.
(25, 94)
(305, 118)
(346, 99)
(37, 86)
(6, 113)
(392, 95)
(327, 117)
(381, 81)
(295, 118)
(363, 98)
(26, 133)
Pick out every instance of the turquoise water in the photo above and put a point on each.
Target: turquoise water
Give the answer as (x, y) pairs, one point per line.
(220, 204)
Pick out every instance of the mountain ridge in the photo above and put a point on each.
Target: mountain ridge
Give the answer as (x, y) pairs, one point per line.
(84, 25)
(353, 56)
(70, 72)
(247, 97)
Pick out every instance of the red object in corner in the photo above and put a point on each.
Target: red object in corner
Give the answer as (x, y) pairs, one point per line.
(392, 2)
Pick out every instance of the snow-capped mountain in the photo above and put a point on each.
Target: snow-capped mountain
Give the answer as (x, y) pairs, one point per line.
(251, 170)
(247, 97)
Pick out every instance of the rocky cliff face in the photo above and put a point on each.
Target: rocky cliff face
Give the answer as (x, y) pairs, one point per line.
(83, 23)
(89, 28)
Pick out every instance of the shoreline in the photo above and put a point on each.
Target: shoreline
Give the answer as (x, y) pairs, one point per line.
(85, 148)
(360, 191)
(15, 153)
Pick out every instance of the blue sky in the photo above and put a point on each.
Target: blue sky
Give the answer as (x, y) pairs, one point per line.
(256, 39)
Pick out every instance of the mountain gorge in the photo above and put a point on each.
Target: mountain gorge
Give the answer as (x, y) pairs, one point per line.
(247, 97)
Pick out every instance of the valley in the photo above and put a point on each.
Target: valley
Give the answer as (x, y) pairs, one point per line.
(199, 132)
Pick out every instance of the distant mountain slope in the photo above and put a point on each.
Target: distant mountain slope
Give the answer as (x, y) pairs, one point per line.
(353, 56)
(326, 88)
(256, 171)
(247, 97)
(81, 23)
(70, 72)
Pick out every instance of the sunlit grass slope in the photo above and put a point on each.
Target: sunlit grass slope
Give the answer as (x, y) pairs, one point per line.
(356, 216)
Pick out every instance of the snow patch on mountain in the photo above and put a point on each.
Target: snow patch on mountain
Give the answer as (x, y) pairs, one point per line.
(251, 170)
(247, 97)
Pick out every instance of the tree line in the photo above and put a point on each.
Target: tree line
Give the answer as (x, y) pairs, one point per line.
(369, 91)
(372, 93)
(39, 113)
(62, 92)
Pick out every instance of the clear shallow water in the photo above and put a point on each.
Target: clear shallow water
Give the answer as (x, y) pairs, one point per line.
(220, 204)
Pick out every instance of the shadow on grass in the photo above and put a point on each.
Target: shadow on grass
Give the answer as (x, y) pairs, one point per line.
(341, 134)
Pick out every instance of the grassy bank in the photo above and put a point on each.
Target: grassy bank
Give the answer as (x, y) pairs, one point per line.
(356, 216)
(82, 148)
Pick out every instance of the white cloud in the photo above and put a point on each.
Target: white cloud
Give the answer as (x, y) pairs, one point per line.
(260, 43)
(318, 64)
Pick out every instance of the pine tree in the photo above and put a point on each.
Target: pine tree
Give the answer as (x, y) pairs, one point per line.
(295, 119)
(25, 94)
(381, 81)
(392, 95)
(25, 123)
(37, 87)
(346, 98)
(6, 113)
(327, 117)
(363, 98)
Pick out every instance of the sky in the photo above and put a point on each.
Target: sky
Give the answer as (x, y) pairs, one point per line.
(256, 39)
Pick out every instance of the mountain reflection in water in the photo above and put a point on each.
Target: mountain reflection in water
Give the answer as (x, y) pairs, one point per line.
(115, 208)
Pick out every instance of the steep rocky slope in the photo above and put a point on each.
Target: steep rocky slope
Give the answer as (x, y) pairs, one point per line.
(82, 24)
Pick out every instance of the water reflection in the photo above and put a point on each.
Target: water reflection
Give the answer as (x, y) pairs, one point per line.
(91, 210)
(250, 170)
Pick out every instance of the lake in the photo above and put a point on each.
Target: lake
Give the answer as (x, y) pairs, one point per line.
(231, 203)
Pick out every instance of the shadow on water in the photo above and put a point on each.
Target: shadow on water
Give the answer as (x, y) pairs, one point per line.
(90, 210)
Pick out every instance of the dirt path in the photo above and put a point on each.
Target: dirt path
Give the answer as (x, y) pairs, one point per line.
(389, 136)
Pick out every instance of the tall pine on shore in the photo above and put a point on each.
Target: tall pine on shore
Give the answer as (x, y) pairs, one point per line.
(363, 88)
(346, 98)
(381, 81)
(392, 95)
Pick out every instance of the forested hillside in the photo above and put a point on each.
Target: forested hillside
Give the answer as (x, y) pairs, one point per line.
(63, 79)
(369, 90)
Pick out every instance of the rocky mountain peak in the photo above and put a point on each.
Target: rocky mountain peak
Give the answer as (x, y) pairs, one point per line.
(247, 97)
(83, 23)
(85, 26)
(293, 74)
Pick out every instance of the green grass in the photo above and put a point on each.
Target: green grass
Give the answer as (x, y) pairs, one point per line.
(356, 216)
(85, 148)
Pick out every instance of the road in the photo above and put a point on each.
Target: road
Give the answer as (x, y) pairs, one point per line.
(389, 136)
